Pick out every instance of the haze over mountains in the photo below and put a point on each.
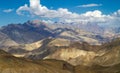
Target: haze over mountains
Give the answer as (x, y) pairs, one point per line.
(58, 48)
(33, 31)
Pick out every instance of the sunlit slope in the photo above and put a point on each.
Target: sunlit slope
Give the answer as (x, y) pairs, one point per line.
(11, 64)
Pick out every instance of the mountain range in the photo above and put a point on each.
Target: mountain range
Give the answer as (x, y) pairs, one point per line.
(39, 47)
(107, 60)
(33, 31)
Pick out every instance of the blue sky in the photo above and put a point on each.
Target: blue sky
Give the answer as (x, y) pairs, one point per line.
(8, 8)
(108, 6)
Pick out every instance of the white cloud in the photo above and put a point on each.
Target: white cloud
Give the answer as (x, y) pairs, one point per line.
(64, 15)
(95, 13)
(90, 5)
(37, 9)
(22, 9)
(117, 13)
(8, 10)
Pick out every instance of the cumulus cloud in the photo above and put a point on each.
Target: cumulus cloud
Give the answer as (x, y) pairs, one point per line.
(36, 8)
(64, 15)
(90, 5)
(117, 13)
(8, 10)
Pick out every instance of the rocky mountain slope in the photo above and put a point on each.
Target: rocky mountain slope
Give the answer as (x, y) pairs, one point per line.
(26, 33)
(84, 54)
(33, 31)
(111, 55)
(39, 42)
(75, 53)
(11, 64)
(6, 41)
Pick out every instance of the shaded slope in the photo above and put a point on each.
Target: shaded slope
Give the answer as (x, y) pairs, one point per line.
(10, 64)
(27, 32)
(6, 41)
(112, 54)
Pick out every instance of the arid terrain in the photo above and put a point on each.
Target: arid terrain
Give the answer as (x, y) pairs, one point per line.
(35, 47)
